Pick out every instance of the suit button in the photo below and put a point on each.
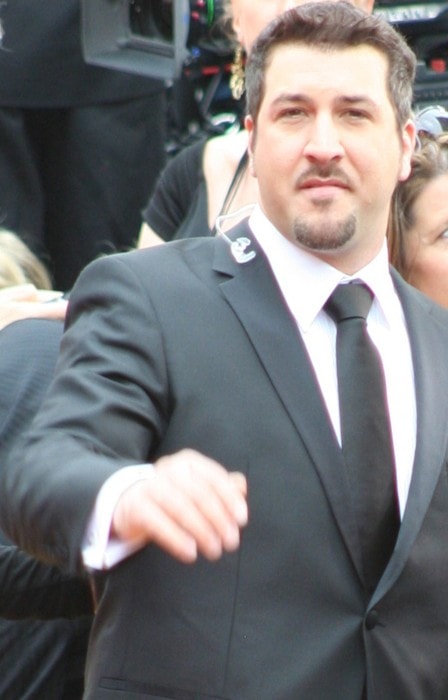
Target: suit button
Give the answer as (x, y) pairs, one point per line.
(372, 619)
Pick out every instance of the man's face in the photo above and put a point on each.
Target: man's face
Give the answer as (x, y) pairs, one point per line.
(327, 152)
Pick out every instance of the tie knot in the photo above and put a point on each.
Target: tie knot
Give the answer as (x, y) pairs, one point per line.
(349, 301)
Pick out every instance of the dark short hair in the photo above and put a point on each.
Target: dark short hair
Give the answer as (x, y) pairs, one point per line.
(337, 25)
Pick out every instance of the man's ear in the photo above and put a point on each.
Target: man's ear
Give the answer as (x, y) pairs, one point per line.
(408, 139)
(250, 128)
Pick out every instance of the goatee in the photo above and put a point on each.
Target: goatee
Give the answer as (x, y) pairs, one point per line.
(322, 236)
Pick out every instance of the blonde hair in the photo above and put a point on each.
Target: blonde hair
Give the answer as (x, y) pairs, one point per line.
(19, 265)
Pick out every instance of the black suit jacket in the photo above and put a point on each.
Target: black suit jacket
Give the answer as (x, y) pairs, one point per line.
(41, 61)
(182, 346)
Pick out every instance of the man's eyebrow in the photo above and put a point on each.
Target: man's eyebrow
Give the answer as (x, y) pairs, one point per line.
(286, 97)
(291, 97)
(357, 100)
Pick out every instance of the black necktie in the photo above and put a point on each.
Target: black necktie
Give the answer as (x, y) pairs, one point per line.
(365, 428)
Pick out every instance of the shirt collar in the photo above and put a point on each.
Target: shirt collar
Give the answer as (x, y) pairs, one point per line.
(302, 276)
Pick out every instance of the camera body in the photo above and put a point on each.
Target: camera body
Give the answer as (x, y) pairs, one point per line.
(147, 37)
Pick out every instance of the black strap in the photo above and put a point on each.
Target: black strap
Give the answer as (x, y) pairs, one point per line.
(234, 185)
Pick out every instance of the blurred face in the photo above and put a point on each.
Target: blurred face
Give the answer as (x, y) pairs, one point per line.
(426, 251)
(327, 152)
(250, 17)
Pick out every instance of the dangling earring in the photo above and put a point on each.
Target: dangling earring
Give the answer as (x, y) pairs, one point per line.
(237, 77)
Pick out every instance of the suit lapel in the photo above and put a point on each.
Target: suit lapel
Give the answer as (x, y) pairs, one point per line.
(428, 352)
(251, 290)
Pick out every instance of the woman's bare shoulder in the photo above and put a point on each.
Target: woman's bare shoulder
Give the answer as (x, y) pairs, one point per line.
(226, 150)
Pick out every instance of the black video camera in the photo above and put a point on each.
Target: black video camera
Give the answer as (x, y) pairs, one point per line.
(147, 37)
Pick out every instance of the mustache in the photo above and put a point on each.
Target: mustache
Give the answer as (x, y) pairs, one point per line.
(323, 172)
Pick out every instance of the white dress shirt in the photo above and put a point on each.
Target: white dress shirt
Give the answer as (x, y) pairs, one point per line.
(306, 283)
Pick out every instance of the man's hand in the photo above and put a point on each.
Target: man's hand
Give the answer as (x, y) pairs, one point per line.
(25, 301)
(191, 505)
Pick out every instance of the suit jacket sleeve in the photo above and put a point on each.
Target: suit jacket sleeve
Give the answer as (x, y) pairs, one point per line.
(112, 368)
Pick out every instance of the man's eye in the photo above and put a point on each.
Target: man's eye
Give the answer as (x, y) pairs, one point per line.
(356, 114)
(293, 112)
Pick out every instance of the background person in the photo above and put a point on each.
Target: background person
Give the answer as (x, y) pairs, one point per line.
(26, 301)
(44, 640)
(25, 285)
(418, 229)
(45, 615)
(81, 146)
(43, 643)
(19, 265)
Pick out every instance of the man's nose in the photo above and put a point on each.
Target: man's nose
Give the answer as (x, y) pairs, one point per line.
(324, 141)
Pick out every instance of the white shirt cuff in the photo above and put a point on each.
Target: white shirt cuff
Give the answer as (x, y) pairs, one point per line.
(99, 550)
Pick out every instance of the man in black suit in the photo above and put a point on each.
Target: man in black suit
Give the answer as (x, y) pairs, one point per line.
(81, 146)
(233, 566)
